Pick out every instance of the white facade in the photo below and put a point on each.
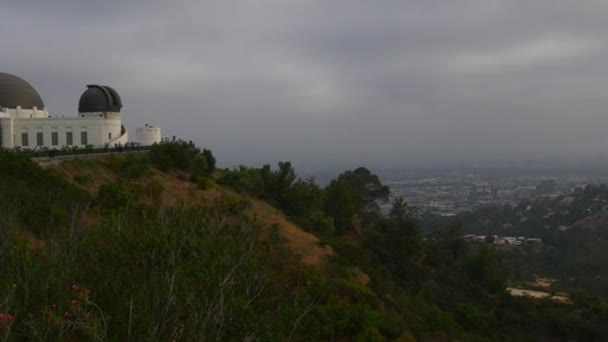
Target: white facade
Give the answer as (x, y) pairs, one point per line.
(36, 129)
(148, 135)
(21, 113)
(26, 125)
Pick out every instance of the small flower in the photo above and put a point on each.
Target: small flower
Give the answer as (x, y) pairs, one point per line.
(53, 306)
(6, 317)
(74, 301)
(75, 288)
(66, 314)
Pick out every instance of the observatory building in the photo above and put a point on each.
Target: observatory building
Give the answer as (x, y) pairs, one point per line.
(148, 135)
(25, 122)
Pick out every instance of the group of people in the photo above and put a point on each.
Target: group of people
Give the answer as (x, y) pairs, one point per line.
(42, 151)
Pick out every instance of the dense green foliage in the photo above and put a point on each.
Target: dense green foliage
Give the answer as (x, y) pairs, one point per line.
(139, 272)
(183, 156)
(34, 198)
(446, 285)
(116, 265)
(301, 199)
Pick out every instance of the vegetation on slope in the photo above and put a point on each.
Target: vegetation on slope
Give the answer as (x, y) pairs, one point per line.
(438, 287)
(154, 246)
(574, 232)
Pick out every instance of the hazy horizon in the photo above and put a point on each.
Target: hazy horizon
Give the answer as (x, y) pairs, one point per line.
(332, 83)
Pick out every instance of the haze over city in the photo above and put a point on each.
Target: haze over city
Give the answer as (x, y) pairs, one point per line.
(332, 83)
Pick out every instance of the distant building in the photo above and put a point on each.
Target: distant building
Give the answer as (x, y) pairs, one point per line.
(26, 124)
(511, 240)
(533, 242)
(148, 135)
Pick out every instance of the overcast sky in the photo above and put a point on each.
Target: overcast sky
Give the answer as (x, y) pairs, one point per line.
(331, 82)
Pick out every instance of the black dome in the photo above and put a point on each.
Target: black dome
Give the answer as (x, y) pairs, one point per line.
(14, 91)
(99, 98)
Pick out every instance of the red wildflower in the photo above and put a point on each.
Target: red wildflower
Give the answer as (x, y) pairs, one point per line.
(75, 288)
(66, 314)
(74, 302)
(53, 306)
(6, 317)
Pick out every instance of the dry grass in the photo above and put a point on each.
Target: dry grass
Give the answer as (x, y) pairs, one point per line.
(179, 191)
(33, 241)
(300, 242)
(95, 169)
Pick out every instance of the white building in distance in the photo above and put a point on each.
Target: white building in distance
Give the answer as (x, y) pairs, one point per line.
(148, 135)
(26, 124)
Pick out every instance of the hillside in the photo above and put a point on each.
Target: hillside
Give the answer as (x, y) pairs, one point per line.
(88, 250)
(166, 246)
(593, 222)
(572, 231)
(178, 190)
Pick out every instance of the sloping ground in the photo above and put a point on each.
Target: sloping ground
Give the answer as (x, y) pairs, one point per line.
(97, 174)
(593, 222)
(305, 244)
(179, 191)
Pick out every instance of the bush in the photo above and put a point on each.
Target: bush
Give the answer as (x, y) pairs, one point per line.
(134, 166)
(82, 179)
(155, 190)
(147, 275)
(183, 156)
(317, 223)
(203, 182)
(118, 195)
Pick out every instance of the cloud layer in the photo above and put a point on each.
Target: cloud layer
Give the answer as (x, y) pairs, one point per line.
(388, 83)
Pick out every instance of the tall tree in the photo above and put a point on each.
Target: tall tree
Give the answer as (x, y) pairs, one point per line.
(354, 192)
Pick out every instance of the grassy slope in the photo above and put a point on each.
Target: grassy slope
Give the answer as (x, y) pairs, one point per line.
(342, 306)
(56, 231)
(179, 191)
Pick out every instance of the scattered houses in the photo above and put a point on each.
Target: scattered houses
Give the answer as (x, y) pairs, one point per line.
(497, 240)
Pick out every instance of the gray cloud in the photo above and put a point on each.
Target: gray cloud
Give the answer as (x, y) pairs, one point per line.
(339, 82)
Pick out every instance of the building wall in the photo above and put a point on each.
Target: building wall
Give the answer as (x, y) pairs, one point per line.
(6, 132)
(16, 113)
(148, 136)
(100, 131)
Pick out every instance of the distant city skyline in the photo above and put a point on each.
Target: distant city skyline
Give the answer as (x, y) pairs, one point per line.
(332, 84)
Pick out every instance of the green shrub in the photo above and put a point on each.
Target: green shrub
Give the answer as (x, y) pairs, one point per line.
(183, 156)
(83, 179)
(175, 275)
(155, 190)
(118, 195)
(203, 182)
(318, 223)
(134, 166)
